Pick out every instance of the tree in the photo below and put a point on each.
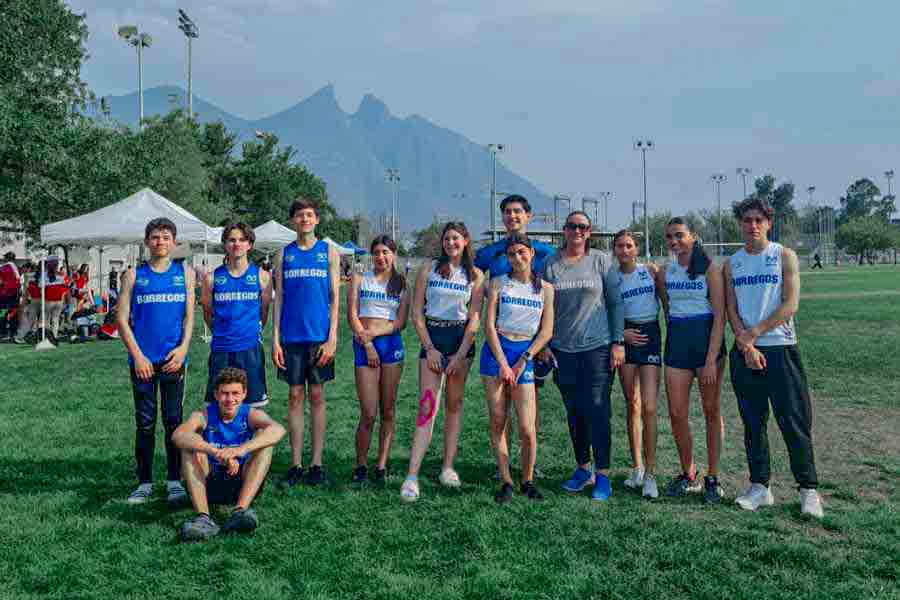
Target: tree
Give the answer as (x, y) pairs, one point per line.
(780, 198)
(218, 146)
(864, 236)
(657, 222)
(427, 241)
(863, 199)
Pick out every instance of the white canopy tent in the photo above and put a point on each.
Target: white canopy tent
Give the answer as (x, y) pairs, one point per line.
(341, 250)
(271, 236)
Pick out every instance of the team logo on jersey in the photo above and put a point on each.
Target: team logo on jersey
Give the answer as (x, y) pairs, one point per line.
(322, 256)
(735, 264)
(288, 258)
(178, 280)
(653, 359)
(398, 354)
(221, 280)
(143, 282)
(644, 275)
(251, 279)
(771, 261)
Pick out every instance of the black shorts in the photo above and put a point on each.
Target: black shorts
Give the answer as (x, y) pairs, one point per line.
(651, 352)
(252, 361)
(223, 490)
(447, 338)
(687, 343)
(300, 365)
(9, 302)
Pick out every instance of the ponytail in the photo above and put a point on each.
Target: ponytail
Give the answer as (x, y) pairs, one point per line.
(699, 262)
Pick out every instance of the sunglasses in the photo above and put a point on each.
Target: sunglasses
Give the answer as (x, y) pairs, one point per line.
(577, 226)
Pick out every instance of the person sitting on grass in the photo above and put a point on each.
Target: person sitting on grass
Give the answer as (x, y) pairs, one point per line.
(226, 451)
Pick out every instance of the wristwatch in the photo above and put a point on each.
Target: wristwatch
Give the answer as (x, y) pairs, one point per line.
(527, 355)
(618, 342)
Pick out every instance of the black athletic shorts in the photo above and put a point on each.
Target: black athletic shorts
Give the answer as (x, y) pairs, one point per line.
(447, 336)
(651, 352)
(252, 361)
(223, 490)
(300, 365)
(687, 342)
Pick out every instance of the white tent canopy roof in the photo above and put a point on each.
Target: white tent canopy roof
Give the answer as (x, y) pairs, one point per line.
(272, 236)
(123, 223)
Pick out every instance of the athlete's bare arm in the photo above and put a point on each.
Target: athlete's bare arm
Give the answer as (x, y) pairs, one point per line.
(277, 351)
(709, 373)
(188, 435)
(491, 335)
(175, 358)
(143, 368)
(206, 299)
(267, 432)
(790, 295)
(659, 280)
(752, 356)
(329, 348)
(356, 326)
(265, 288)
(474, 321)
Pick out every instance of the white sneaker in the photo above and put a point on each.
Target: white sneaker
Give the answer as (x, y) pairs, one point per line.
(755, 496)
(649, 488)
(811, 503)
(636, 480)
(449, 478)
(175, 493)
(141, 494)
(409, 491)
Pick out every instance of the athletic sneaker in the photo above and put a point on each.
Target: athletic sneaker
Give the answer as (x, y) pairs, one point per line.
(636, 480)
(505, 494)
(650, 491)
(409, 491)
(811, 503)
(530, 491)
(380, 478)
(580, 479)
(360, 475)
(175, 494)
(142, 494)
(755, 496)
(294, 476)
(712, 491)
(199, 529)
(241, 520)
(602, 488)
(683, 485)
(316, 476)
(449, 478)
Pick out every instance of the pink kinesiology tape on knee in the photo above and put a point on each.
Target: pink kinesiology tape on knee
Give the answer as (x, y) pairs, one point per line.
(427, 407)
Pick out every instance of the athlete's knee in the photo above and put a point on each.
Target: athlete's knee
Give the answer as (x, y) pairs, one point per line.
(712, 409)
(388, 414)
(366, 421)
(316, 397)
(498, 422)
(296, 397)
(678, 413)
(648, 409)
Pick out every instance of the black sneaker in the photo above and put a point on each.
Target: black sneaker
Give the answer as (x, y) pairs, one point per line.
(530, 491)
(505, 494)
(360, 476)
(294, 476)
(712, 491)
(241, 520)
(682, 485)
(199, 529)
(316, 476)
(380, 478)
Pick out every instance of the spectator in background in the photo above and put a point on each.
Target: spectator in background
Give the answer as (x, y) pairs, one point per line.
(113, 280)
(56, 294)
(10, 292)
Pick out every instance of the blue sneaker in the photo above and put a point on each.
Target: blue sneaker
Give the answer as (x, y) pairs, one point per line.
(602, 488)
(581, 478)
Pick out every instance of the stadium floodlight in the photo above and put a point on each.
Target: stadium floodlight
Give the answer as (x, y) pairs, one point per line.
(494, 149)
(643, 145)
(743, 173)
(191, 32)
(719, 179)
(131, 35)
(393, 177)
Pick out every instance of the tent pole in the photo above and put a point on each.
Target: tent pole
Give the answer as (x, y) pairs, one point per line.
(44, 344)
(206, 336)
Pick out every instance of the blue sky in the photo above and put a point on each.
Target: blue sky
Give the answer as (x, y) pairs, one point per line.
(807, 92)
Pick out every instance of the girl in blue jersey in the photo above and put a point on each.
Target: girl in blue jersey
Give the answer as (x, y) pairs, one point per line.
(377, 307)
(519, 323)
(639, 287)
(695, 304)
(446, 310)
(235, 299)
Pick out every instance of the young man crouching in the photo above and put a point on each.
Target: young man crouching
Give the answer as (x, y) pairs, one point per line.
(226, 451)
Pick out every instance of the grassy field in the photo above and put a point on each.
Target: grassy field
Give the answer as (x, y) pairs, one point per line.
(66, 421)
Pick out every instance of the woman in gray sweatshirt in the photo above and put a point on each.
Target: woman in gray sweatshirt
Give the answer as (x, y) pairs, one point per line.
(588, 346)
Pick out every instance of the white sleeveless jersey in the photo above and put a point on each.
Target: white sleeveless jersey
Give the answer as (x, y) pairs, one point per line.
(520, 307)
(688, 298)
(448, 299)
(758, 284)
(638, 293)
(374, 301)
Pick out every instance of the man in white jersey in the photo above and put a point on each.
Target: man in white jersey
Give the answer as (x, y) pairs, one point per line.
(762, 290)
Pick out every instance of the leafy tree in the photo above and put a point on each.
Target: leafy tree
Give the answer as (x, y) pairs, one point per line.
(863, 199)
(427, 241)
(866, 235)
(780, 197)
(731, 232)
(657, 223)
(218, 145)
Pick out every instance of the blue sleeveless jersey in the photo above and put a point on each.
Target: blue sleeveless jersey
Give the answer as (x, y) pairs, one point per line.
(236, 303)
(227, 435)
(306, 299)
(492, 258)
(157, 310)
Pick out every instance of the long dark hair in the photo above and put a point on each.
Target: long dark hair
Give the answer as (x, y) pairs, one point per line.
(467, 261)
(397, 282)
(700, 260)
(587, 240)
(521, 239)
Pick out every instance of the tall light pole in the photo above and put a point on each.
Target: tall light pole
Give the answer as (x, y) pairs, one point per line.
(189, 28)
(132, 36)
(557, 200)
(890, 176)
(606, 196)
(494, 149)
(810, 191)
(393, 177)
(719, 179)
(644, 144)
(596, 204)
(743, 173)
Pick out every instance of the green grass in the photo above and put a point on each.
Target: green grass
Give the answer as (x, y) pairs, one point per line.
(66, 422)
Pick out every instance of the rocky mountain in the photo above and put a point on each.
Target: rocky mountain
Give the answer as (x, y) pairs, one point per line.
(442, 173)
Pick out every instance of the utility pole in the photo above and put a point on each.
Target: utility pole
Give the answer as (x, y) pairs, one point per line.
(719, 179)
(644, 144)
(494, 149)
(743, 173)
(393, 177)
(189, 28)
(132, 36)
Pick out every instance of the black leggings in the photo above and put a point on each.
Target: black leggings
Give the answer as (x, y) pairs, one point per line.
(171, 396)
(585, 381)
